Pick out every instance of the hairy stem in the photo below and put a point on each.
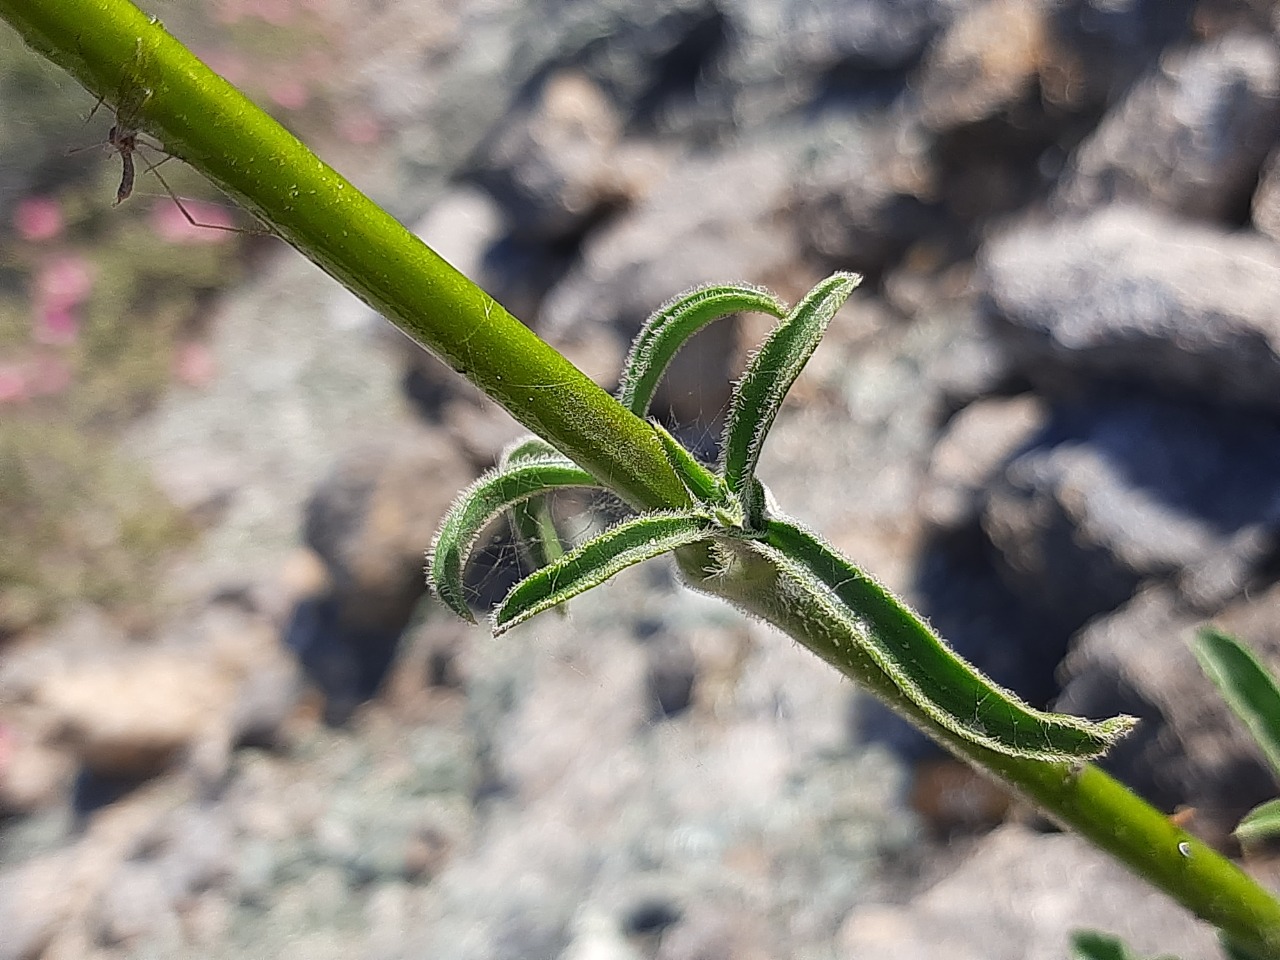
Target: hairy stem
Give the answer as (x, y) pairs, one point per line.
(1080, 797)
(157, 85)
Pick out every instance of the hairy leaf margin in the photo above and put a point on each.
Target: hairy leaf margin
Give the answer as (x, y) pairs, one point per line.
(947, 688)
(477, 505)
(759, 393)
(600, 558)
(672, 324)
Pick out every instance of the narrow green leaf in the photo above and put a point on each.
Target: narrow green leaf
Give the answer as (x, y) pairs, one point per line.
(703, 485)
(476, 506)
(1260, 823)
(929, 673)
(527, 448)
(1092, 945)
(759, 394)
(1233, 950)
(672, 324)
(531, 521)
(623, 545)
(1246, 685)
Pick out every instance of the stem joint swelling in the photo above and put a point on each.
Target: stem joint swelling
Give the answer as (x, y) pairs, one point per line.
(736, 531)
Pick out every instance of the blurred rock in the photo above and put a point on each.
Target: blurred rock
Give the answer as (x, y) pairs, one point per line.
(1189, 139)
(371, 521)
(864, 197)
(1103, 46)
(1265, 206)
(870, 34)
(1115, 493)
(1127, 296)
(987, 61)
(973, 450)
(35, 901)
(646, 59)
(1190, 750)
(784, 60)
(131, 717)
(1020, 896)
(33, 774)
(555, 167)
(126, 714)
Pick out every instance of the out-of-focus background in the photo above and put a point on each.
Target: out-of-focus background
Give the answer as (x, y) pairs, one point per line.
(231, 725)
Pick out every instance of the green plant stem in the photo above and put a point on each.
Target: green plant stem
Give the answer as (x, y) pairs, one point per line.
(154, 83)
(157, 85)
(1080, 797)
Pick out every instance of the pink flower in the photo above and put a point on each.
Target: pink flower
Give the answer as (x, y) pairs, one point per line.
(195, 365)
(38, 218)
(48, 374)
(57, 326)
(359, 127)
(289, 93)
(13, 384)
(63, 283)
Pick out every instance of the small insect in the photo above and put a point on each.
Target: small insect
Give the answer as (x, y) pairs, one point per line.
(125, 143)
(122, 138)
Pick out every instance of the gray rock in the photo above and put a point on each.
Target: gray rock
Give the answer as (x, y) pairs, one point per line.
(1020, 896)
(977, 444)
(35, 903)
(783, 60)
(553, 164)
(645, 58)
(1128, 296)
(871, 34)
(1190, 749)
(1105, 46)
(441, 79)
(136, 904)
(1189, 138)
(864, 196)
(1113, 494)
(1265, 207)
(371, 521)
(987, 61)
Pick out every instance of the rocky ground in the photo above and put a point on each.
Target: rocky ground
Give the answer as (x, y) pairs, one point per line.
(1049, 417)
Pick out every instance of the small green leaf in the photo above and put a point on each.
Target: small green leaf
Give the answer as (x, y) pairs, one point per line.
(527, 448)
(930, 674)
(476, 506)
(667, 329)
(1091, 945)
(703, 485)
(1260, 823)
(759, 394)
(1236, 951)
(531, 521)
(1246, 685)
(622, 545)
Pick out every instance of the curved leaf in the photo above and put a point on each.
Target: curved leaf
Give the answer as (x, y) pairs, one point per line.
(929, 673)
(1246, 686)
(476, 506)
(675, 322)
(530, 447)
(1260, 823)
(621, 546)
(770, 374)
(531, 521)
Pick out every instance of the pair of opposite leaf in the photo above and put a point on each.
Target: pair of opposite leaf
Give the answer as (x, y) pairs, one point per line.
(731, 510)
